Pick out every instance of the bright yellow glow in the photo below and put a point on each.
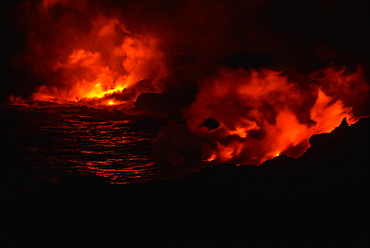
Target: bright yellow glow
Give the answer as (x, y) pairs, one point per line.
(211, 158)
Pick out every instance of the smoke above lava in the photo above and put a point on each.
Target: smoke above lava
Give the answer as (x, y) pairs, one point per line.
(251, 80)
(249, 116)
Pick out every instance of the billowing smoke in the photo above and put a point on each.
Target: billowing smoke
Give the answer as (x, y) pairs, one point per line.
(240, 81)
(249, 116)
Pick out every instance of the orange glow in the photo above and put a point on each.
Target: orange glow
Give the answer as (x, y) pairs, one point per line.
(107, 60)
(262, 114)
(81, 54)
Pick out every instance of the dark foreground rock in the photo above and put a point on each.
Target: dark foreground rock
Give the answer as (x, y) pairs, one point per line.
(318, 200)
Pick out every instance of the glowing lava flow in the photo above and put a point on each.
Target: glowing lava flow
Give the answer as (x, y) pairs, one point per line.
(82, 54)
(261, 114)
(111, 60)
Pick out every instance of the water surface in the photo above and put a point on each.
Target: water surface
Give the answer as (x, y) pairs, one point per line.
(59, 141)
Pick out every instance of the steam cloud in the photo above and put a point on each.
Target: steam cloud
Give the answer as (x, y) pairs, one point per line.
(188, 47)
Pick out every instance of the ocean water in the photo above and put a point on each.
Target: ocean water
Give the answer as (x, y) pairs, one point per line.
(53, 142)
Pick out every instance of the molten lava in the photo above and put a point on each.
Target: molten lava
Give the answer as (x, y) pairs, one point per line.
(262, 114)
(83, 54)
(107, 60)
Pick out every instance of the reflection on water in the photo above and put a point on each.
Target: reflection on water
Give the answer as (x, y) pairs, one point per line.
(59, 141)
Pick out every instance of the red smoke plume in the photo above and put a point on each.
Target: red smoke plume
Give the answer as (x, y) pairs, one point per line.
(100, 54)
(261, 114)
(83, 54)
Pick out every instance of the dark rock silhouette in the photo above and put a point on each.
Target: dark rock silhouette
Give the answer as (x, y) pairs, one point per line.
(210, 124)
(318, 200)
